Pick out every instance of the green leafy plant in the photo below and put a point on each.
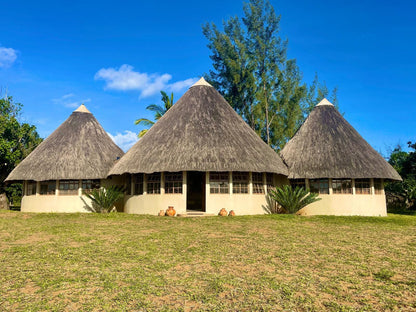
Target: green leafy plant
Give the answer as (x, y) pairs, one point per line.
(272, 207)
(292, 199)
(103, 199)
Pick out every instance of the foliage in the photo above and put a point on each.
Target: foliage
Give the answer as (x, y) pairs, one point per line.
(252, 71)
(272, 207)
(405, 163)
(103, 199)
(17, 140)
(158, 110)
(293, 199)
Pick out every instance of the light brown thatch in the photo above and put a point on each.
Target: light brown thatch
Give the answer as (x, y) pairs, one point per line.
(327, 146)
(201, 132)
(78, 149)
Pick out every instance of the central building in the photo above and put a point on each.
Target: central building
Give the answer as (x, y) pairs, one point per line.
(200, 156)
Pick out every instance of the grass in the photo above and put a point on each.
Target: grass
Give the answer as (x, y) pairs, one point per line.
(119, 262)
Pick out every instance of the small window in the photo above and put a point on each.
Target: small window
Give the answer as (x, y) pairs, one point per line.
(341, 186)
(298, 183)
(240, 182)
(127, 185)
(89, 185)
(378, 186)
(257, 181)
(320, 186)
(68, 187)
(362, 186)
(138, 184)
(218, 183)
(47, 187)
(173, 182)
(269, 181)
(31, 188)
(153, 183)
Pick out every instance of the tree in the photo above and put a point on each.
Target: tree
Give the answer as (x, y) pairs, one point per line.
(158, 110)
(17, 140)
(405, 165)
(252, 72)
(292, 199)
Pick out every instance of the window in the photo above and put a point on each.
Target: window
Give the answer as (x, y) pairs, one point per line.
(127, 185)
(320, 186)
(341, 186)
(218, 182)
(68, 187)
(138, 184)
(269, 181)
(47, 187)
(378, 186)
(31, 188)
(173, 182)
(88, 185)
(298, 183)
(362, 186)
(240, 182)
(257, 181)
(153, 183)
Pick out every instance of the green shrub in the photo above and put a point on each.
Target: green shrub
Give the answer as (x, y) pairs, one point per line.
(103, 199)
(292, 199)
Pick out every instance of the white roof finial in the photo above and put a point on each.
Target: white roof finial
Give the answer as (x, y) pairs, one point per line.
(82, 109)
(201, 82)
(324, 102)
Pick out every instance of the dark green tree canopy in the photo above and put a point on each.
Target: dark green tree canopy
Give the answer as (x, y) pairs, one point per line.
(17, 139)
(252, 71)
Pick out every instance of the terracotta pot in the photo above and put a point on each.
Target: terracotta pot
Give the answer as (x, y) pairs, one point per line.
(223, 212)
(161, 213)
(231, 214)
(170, 211)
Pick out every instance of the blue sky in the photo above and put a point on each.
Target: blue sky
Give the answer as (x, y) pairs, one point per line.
(116, 56)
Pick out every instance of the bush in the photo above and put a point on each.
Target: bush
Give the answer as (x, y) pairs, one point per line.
(103, 199)
(292, 200)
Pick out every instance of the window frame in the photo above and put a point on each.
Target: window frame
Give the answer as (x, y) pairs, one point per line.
(257, 182)
(173, 182)
(219, 182)
(153, 183)
(241, 181)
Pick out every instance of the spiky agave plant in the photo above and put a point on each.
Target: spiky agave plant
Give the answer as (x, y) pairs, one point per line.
(293, 199)
(103, 199)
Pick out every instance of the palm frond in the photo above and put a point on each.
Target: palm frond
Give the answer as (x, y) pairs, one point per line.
(104, 198)
(292, 200)
(142, 133)
(144, 121)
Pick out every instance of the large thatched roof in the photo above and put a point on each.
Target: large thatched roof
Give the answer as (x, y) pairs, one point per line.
(200, 132)
(327, 146)
(78, 149)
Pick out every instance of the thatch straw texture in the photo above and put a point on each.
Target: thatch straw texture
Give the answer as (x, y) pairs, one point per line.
(201, 132)
(78, 149)
(327, 146)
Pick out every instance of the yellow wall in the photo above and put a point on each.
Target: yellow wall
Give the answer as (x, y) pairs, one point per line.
(53, 203)
(153, 203)
(347, 205)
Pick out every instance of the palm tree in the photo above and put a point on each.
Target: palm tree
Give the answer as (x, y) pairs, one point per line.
(158, 110)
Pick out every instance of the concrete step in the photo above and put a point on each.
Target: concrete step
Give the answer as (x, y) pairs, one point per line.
(190, 214)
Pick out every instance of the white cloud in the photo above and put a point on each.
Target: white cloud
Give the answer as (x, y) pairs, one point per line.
(68, 100)
(126, 140)
(125, 79)
(7, 56)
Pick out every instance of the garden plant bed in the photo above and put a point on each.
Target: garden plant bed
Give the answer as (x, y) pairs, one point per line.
(119, 262)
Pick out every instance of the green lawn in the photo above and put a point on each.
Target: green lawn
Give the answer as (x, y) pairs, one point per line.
(119, 262)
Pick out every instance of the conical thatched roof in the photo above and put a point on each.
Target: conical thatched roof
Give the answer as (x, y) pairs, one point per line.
(327, 146)
(78, 149)
(201, 132)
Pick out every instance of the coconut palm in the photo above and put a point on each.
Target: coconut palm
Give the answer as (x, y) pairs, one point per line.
(158, 110)
(293, 199)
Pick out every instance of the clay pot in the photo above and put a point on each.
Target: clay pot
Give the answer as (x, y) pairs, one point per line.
(231, 214)
(223, 212)
(161, 213)
(170, 211)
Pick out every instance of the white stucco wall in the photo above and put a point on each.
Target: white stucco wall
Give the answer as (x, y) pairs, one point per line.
(53, 203)
(153, 203)
(347, 205)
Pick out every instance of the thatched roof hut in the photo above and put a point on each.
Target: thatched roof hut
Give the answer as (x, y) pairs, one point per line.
(327, 146)
(201, 132)
(78, 149)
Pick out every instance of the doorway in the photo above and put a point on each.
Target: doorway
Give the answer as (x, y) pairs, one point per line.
(195, 195)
